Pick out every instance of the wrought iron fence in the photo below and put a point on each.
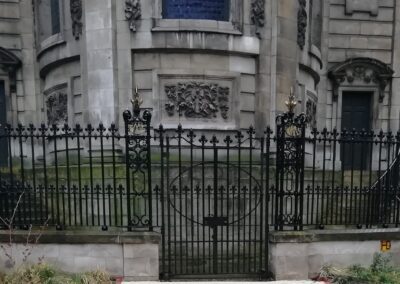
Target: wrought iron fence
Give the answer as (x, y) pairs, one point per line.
(171, 178)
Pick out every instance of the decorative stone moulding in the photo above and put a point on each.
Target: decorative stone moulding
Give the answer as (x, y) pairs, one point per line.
(363, 6)
(361, 72)
(302, 23)
(133, 13)
(76, 17)
(258, 14)
(197, 100)
(57, 108)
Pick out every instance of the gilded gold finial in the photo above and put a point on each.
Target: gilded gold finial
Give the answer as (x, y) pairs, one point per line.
(137, 100)
(291, 103)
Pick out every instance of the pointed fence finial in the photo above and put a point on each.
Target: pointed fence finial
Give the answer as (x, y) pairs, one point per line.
(292, 102)
(136, 102)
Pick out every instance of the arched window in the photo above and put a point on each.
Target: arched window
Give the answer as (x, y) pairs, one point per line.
(218, 10)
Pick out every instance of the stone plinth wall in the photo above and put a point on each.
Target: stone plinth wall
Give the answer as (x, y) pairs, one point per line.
(133, 256)
(300, 255)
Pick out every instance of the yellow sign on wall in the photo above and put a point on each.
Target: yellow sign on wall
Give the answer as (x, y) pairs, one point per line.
(386, 245)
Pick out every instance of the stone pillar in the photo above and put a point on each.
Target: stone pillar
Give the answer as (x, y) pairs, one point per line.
(99, 67)
(394, 118)
(265, 89)
(287, 51)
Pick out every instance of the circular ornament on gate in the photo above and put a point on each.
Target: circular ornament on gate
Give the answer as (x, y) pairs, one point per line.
(235, 193)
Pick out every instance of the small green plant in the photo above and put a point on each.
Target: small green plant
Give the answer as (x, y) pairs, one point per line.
(380, 272)
(46, 274)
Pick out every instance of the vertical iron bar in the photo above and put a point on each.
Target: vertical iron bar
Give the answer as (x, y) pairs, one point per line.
(215, 227)
(22, 191)
(54, 128)
(66, 135)
(36, 215)
(78, 130)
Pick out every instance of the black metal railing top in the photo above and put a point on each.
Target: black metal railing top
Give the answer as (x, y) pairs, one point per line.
(102, 176)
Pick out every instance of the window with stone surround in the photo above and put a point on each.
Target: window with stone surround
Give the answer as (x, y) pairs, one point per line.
(316, 22)
(220, 16)
(48, 22)
(218, 10)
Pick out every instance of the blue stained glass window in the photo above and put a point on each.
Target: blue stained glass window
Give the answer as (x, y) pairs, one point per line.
(197, 9)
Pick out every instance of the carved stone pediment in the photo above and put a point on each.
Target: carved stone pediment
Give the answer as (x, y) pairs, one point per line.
(8, 61)
(361, 72)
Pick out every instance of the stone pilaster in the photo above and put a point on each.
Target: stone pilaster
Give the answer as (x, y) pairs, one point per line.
(287, 50)
(265, 105)
(99, 62)
(394, 122)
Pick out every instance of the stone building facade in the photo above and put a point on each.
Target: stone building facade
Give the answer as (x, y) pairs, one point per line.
(221, 65)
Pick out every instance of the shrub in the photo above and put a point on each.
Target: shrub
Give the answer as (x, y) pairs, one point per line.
(46, 274)
(380, 272)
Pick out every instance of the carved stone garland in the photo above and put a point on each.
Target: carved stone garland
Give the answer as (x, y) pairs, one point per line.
(133, 13)
(258, 14)
(76, 17)
(301, 23)
(311, 113)
(197, 100)
(57, 108)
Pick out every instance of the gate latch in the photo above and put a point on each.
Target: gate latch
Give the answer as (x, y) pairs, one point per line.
(215, 221)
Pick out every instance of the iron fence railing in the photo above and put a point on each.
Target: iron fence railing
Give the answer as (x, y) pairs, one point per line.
(172, 178)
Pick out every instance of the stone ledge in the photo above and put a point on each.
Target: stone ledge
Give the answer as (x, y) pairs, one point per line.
(84, 237)
(334, 235)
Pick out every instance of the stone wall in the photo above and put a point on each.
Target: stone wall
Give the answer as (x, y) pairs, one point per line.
(301, 255)
(16, 35)
(133, 256)
(157, 73)
(356, 29)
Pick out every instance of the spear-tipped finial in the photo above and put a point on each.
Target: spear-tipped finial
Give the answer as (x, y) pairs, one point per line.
(136, 101)
(292, 102)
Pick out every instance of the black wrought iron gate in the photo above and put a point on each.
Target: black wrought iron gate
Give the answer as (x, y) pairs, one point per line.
(214, 201)
(210, 195)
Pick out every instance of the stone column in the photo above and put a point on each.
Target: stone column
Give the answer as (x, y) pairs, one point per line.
(99, 64)
(394, 122)
(287, 50)
(265, 88)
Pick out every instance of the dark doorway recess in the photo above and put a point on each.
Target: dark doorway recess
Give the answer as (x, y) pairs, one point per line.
(3, 118)
(356, 116)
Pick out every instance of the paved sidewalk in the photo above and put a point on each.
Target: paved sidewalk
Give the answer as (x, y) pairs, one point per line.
(233, 282)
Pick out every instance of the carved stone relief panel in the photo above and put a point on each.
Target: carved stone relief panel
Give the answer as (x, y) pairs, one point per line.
(133, 12)
(197, 100)
(76, 17)
(302, 23)
(57, 107)
(311, 113)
